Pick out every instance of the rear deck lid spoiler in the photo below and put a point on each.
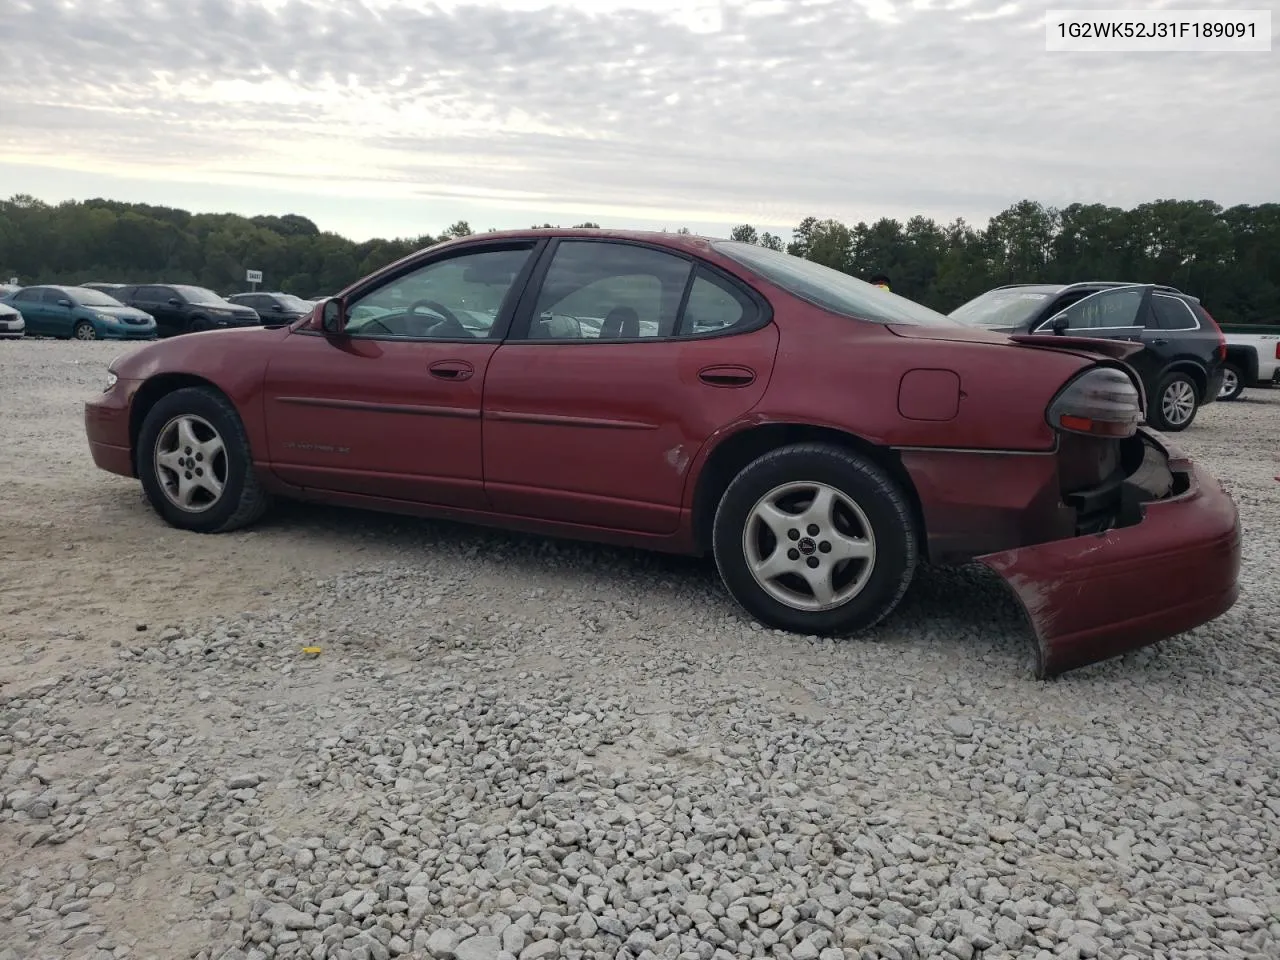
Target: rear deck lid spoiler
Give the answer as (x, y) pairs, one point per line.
(1116, 349)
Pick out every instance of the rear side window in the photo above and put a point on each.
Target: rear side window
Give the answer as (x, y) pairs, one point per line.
(714, 306)
(27, 296)
(1173, 313)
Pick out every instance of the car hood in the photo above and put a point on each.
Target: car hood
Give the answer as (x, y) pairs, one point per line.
(121, 311)
(1086, 347)
(7, 310)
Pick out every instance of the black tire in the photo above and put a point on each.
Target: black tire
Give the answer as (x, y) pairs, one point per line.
(1170, 382)
(200, 324)
(1234, 385)
(242, 501)
(884, 507)
(84, 330)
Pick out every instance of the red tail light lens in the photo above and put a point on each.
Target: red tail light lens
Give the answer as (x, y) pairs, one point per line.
(1222, 340)
(1102, 402)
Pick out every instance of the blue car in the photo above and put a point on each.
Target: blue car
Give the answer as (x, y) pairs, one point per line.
(81, 313)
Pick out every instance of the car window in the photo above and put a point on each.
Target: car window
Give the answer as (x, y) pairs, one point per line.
(154, 294)
(1172, 313)
(28, 295)
(124, 293)
(596, 290)
(1118, 307)
(446, 299)
(713, 307)
(831, 289)
(50, 295)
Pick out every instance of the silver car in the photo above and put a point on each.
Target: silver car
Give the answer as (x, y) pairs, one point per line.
(12, 326)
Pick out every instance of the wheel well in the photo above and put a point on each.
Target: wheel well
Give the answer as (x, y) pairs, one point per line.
(148, 395)
(1246, 358)
(1196, 373)
(733, 454)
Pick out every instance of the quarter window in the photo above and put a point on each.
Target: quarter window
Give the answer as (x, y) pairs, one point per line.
(449, 299)
(1172, 313)
(713, 307)
(609, 291)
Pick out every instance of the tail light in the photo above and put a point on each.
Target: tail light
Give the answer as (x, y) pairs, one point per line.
(1222, 340)
(1101, 402)
(1278, 349)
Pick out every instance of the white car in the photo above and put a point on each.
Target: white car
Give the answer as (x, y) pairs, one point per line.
(12, 326)
(1253, 358)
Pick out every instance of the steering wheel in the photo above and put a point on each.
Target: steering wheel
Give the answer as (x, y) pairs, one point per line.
(434, 307)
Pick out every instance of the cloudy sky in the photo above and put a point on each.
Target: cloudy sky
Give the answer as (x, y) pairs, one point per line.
(398, 117)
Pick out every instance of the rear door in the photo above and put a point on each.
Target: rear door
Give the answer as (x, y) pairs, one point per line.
(27, 302)
(623, 360)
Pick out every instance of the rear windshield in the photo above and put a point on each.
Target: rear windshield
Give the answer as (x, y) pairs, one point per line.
(830, 289)
(1002, 309)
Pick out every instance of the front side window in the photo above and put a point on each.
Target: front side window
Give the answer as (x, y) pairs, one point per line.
(596, 290)
(52, 296)
(155, 294)
(830, 289)
(447, 299)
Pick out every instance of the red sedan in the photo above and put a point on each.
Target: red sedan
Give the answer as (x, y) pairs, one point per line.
(819, 436)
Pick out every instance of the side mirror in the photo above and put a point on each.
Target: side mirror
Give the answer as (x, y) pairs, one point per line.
(1059, 324)
(333, 316)
(175, 302)
(64, 303)
(276, 308)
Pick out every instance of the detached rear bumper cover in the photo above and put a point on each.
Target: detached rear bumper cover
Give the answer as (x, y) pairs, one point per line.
(1095, 597)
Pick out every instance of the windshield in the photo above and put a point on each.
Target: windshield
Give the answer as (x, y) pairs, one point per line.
(831, 289)
(1003, 309)
(200, 295)
(88, 297)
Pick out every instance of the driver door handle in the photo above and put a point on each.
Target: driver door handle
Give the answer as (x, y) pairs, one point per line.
(451, 370)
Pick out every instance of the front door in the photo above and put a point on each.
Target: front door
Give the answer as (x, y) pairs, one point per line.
(391, 407)
(159, 302)
(622, 361)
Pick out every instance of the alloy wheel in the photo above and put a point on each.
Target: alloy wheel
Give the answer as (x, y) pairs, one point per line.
(191, 463)
(1178, 403)
(809, 546)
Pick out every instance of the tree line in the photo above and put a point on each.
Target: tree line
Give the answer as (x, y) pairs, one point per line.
(1229, 257)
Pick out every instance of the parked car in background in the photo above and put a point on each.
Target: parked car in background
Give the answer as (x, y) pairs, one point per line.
(818, 436)
(1253, 358)
(55, 311)
(102, 287)
(179, 308)
(1183, 349)
(8, 288)
(12, 325)
(275, 309)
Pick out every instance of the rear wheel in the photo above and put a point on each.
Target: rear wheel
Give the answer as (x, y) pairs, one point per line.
(194, 462)
(1232, 382)
(815, 539)
(1176, 402)
(84, 331)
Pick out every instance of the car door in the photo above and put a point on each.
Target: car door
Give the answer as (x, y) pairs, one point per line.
(56, 312)
(28, 303)
(159, 301)
(623, 360)
(1172, 332)
(1116, 313)
(391, 408)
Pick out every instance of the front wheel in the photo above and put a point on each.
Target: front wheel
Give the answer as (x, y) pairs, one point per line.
(814, 539)
(1176, 403)
(194, 462)
(1232, 382)
(84, 330)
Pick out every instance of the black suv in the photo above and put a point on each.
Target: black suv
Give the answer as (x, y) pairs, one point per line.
(1181, 367)
(179, 308)
(275, 309)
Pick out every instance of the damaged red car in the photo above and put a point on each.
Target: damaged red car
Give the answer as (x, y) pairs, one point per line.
(818, 436)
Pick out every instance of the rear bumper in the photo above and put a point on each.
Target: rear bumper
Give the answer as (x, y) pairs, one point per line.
(1095, 597)
(1215, 384)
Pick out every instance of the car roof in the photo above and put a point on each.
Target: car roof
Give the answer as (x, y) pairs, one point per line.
(685, 240)
(1086, 285)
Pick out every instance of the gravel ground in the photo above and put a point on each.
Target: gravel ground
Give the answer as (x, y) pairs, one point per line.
(516, 747)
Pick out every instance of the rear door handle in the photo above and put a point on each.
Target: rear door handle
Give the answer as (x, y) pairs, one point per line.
(727, 375)
(451, 370)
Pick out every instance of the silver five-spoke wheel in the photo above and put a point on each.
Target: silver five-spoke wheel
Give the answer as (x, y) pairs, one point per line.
(809, 546)
(1178, 403)
(191, 463)
(1230, 381)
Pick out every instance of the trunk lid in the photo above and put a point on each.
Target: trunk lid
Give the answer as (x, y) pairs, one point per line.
(1086, 347)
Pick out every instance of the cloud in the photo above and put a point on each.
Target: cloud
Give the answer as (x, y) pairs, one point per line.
(713, 111)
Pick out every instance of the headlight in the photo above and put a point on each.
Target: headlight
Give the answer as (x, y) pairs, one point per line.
(111, 381)
(108, 318)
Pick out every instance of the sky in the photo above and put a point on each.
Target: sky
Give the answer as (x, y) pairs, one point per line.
(399, 117)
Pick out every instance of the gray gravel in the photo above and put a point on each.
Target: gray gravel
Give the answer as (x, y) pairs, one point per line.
(515, 747)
